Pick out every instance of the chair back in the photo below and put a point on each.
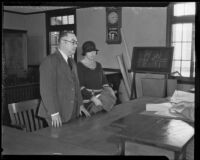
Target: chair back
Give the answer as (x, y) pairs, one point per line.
(24, 114)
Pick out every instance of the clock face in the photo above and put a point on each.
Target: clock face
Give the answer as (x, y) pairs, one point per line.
(113, 17)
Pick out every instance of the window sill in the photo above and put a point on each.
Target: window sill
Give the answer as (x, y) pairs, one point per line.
(183, 80)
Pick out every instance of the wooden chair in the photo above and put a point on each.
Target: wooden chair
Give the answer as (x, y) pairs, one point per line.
(24, 114)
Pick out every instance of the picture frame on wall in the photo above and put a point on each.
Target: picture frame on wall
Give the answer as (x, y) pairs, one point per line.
(15, 51)
(113, 25)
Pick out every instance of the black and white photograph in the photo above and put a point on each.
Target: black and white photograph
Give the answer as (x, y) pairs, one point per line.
(99, 79)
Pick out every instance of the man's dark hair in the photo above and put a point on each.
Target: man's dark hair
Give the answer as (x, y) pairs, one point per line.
(63, 34)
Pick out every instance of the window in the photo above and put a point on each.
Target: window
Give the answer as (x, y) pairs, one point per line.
(57, 21)
(181, 35)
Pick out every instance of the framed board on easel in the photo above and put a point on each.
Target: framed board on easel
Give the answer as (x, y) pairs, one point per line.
(151, 60)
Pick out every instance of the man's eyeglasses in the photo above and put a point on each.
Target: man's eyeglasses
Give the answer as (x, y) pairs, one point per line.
(73, 42)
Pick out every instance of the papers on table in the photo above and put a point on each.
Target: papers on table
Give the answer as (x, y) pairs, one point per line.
(161, 109)
(158, 107)
(186, 109)
(178, 102)
(180, 96)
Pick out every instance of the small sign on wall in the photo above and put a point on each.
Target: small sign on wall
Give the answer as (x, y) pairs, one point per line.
(113, 25)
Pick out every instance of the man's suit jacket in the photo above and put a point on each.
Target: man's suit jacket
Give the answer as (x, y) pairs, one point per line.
(57, 88)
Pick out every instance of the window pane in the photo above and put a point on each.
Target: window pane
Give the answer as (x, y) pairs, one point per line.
(59, 20)
(69, 31)
(186, 51)
(65, 19)
(53, 49)
(176, 66)
(54, 38)
(53, 20)
(177, 32)
(53, 41)
(182, 38)
(185, 68)
(184, 9)
(179, 9)
(56, 20)
(177, 51)
(187, 32)
(190, 8)
(71, 19)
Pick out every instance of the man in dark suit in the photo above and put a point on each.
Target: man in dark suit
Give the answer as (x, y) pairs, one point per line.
(59, 84)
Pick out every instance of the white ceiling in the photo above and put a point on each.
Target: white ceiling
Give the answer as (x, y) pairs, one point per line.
(32, 9)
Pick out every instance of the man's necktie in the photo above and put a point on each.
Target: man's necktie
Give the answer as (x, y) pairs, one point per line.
(70, 62)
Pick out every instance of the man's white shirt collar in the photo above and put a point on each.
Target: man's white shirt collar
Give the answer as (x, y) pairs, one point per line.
(64, 56)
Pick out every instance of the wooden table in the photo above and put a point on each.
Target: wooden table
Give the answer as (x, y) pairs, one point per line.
(84, 136)
(91, 135)
(142, 134)
(91, 132)
(17, 142)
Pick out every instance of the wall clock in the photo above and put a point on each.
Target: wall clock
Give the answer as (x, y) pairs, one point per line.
(113, 17)
(113, 25)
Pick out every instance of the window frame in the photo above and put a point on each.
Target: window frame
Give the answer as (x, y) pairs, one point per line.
(173, 20)
(58, 28)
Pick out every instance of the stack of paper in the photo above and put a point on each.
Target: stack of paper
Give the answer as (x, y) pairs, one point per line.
(158, 107)
(162, 109)
(181, 96)
(170, 109)
(185, 109)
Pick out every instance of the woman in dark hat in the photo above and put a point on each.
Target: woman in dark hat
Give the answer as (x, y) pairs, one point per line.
(92, 78)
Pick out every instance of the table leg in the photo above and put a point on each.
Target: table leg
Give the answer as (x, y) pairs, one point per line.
(180, 155)
(184, 154)
(177, 156)
(122, 147)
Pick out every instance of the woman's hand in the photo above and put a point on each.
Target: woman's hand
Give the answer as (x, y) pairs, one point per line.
(82, 109)
(96, 101)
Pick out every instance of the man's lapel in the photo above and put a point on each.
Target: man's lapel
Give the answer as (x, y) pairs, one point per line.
(64, 66)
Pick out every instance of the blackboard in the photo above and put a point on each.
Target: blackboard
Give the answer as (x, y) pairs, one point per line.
(152, 59)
